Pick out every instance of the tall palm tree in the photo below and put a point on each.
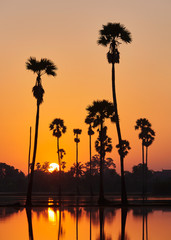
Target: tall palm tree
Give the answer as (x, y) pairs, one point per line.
(58, 128)
(77, 132)
(44, 66)
(97, 113)
(110, 35)
(90, 133)
(147, 136)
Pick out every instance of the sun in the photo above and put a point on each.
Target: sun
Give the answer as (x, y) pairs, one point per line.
(53, 167)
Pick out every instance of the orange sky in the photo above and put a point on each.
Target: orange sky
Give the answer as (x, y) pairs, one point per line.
(67, 32)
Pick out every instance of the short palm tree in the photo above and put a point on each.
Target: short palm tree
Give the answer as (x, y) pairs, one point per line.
(90, 133)
(97, 113)
(77, 132)
(58, 128)
(44, 66)
(110, 35)
(147, 136)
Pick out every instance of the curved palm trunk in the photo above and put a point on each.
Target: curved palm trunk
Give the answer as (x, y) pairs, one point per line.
(30, 183)
(29, 152)
(123, 186)
(59, 162)
(101, 190)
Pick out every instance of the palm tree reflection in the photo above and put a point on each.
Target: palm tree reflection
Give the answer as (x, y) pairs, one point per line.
(145, 224)
(123, 235)
(29, 219)
(101, 220)
(59, 227)
(143, 213)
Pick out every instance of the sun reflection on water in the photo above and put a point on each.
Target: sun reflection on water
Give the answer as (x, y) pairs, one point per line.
(51, 215)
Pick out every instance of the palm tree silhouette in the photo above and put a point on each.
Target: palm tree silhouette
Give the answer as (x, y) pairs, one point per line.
(77, 132)
(58, 128)
(29, 219)
(44, 66)
(97, 113)
(110, 35)
(147, 137)
(90, 133)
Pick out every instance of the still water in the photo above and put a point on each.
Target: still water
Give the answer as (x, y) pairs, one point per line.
(85, 223)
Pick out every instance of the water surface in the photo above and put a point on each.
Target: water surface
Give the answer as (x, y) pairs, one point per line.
(85, 223)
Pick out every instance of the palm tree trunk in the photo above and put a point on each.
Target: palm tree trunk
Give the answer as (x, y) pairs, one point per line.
(91, 190)
(123, 186)
(30, 183)
(29, 153)
(77, 188)
(101, 190)
(59, 162)
(143, 189)
(146, 173)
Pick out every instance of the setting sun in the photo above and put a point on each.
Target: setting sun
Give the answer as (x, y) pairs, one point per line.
(53, 167)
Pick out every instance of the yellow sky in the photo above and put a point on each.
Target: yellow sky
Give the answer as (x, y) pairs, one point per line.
(66, 32)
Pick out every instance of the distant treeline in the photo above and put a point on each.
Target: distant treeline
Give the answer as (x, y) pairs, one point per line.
(14, 180)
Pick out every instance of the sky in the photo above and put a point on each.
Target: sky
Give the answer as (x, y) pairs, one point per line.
(66, 32)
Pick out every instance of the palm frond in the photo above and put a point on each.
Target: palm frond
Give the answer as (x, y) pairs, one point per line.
(58, 127)
(32, 64)
(112, 32)
(44, 65)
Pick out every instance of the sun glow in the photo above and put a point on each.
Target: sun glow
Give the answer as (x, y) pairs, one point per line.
(53, 167)
(51, 215)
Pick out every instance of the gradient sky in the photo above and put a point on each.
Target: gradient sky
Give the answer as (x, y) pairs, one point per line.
(66, 32)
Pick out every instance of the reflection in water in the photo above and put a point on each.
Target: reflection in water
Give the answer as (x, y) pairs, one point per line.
(145, 225)
(79, 223)
(29, 219)
(6, 212)
(123, 236)
(51, 215)
(143, 213)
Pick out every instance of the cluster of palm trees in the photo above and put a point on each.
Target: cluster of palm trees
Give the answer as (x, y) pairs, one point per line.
(146, 135)
(110, 35)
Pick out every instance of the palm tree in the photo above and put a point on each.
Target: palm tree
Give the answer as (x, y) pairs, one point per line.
(147, 136)
(90, 133)
(110, 35)
(77, 132)
(97, 113)
(77, 169)
(44, 66)
(58, 128)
